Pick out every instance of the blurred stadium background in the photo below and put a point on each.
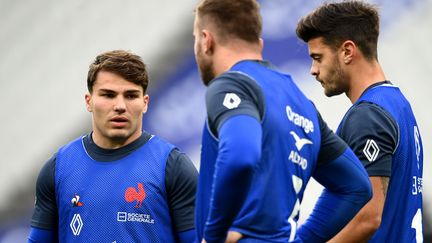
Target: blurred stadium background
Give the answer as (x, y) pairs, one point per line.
(47, 45)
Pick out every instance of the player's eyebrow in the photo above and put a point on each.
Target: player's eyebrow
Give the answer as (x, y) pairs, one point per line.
(133, 91)
(130, 91)
(106, 91)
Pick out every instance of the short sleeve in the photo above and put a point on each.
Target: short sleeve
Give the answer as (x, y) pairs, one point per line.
(181, 180)
(45, 215)
(332, 146)
(231, 94)
(372, 134)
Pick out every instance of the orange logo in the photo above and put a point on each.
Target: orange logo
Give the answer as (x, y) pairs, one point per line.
(132, 195)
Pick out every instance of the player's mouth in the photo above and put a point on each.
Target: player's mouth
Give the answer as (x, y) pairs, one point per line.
(119, 121)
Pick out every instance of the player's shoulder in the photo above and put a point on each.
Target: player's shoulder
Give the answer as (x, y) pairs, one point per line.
(232, 81)
(368, 117)
(366, 111)
(50, 164)
(235, 87)
(177, 157)
(235, 75)
(47, 173)
(179, 168)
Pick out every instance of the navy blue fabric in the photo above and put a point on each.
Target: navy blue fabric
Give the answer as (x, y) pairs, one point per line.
(252, 100)
(368, 121)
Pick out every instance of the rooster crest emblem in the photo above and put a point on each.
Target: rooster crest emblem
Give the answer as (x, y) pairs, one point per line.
(132, 195)
(76, 201)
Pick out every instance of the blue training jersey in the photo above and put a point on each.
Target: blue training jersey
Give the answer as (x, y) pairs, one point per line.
(291, 143)
(402, 215)
(120, 201)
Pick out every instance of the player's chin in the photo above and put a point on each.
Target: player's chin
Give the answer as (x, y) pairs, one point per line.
(327, 93)
(119, 134)
(331, 92)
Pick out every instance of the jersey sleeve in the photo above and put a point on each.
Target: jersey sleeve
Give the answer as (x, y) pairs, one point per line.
(332, 146)
(347, 190)
(37, 235)
(181, 179)
(233, 94)
(45, 215)
(239, 151)
(372, 134)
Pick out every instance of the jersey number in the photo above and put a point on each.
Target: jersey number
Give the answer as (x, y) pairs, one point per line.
(416, 224)
(297, 183)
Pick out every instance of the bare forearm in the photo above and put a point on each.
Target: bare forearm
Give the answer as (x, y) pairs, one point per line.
(357, 230)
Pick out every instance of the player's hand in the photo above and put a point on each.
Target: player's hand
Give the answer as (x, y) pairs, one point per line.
(233, 237)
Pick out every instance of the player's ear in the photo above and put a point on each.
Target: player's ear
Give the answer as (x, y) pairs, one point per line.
(261, 43)
(348, 51)
(146, 102)
(87, 98)
(208, 41)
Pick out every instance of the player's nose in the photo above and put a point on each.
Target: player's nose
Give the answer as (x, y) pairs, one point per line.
(120, 105)
(314, 70)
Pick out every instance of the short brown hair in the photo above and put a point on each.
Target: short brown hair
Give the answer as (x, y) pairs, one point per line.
(123, 63)
(235, 18)
(337, 22)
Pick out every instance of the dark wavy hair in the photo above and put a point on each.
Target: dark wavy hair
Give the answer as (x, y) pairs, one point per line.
(337, 22)
(123, 63)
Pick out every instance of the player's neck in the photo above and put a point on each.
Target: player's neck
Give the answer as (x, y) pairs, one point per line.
(113, 143)
(362, 76)
(228, 56)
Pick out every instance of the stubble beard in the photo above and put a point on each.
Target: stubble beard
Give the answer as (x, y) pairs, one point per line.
(337, 81)
(207, 74)
(205, 68)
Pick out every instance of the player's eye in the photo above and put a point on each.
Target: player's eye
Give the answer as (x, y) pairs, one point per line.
(131, 96)
(108, 95)
(316, 58)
